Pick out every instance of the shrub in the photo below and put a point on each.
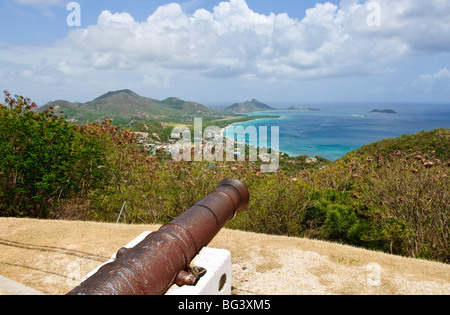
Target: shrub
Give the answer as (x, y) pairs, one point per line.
(43, 160)
(411, 189)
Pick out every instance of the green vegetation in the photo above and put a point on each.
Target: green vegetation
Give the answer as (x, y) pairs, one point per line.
(391, 196)
(45, 161)
(41, 159)
(161, 130)
(424, 141)
(138, 113)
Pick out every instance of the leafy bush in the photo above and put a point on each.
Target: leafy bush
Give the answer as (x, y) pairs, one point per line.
(43, 160)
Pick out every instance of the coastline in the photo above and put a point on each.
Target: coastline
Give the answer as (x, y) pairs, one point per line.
(287, 152)
(275, 117)
(247, 142)
(336, 131)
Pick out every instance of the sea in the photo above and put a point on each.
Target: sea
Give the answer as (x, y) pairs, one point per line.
(338, 129)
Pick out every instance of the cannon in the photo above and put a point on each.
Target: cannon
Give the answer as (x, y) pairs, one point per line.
(163, 258)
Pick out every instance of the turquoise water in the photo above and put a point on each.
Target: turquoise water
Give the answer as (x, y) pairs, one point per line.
(338, 129)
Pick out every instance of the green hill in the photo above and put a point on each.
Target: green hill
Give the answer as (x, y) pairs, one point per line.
(437, 141)
(125, 106)
(126, 102)
(177, 104)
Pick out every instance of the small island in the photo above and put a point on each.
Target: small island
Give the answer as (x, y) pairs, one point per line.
(384, 111)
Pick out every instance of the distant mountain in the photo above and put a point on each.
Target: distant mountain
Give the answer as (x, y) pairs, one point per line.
(249, 106)
(125, 105)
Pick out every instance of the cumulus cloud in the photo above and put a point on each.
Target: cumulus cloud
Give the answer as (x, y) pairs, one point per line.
(235, 41)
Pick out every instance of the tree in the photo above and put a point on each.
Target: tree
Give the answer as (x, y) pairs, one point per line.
(43, 159)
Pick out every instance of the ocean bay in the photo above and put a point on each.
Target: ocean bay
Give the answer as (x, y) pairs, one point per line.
(336, 130)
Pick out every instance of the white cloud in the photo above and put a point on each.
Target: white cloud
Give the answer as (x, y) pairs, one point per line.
(54, 66)
(233, 40)
(116, 20)
(156, 80)
(429, 81)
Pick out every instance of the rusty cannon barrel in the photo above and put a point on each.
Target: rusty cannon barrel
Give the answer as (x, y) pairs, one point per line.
(163, 257)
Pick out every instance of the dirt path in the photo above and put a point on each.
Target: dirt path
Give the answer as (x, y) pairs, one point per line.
(52, 256)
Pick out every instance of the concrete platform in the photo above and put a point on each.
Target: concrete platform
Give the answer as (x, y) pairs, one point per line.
(11, 287)
(53, 256)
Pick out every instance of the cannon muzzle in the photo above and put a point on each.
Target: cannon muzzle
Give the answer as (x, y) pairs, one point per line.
(162, 258)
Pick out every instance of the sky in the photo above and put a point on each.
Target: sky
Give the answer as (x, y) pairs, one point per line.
(221, 52)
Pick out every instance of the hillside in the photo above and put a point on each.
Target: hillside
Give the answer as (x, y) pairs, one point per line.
(177, 104)
(126, 102)
(126, 106)
(437, 141)
(249, 106)
(52, 256)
